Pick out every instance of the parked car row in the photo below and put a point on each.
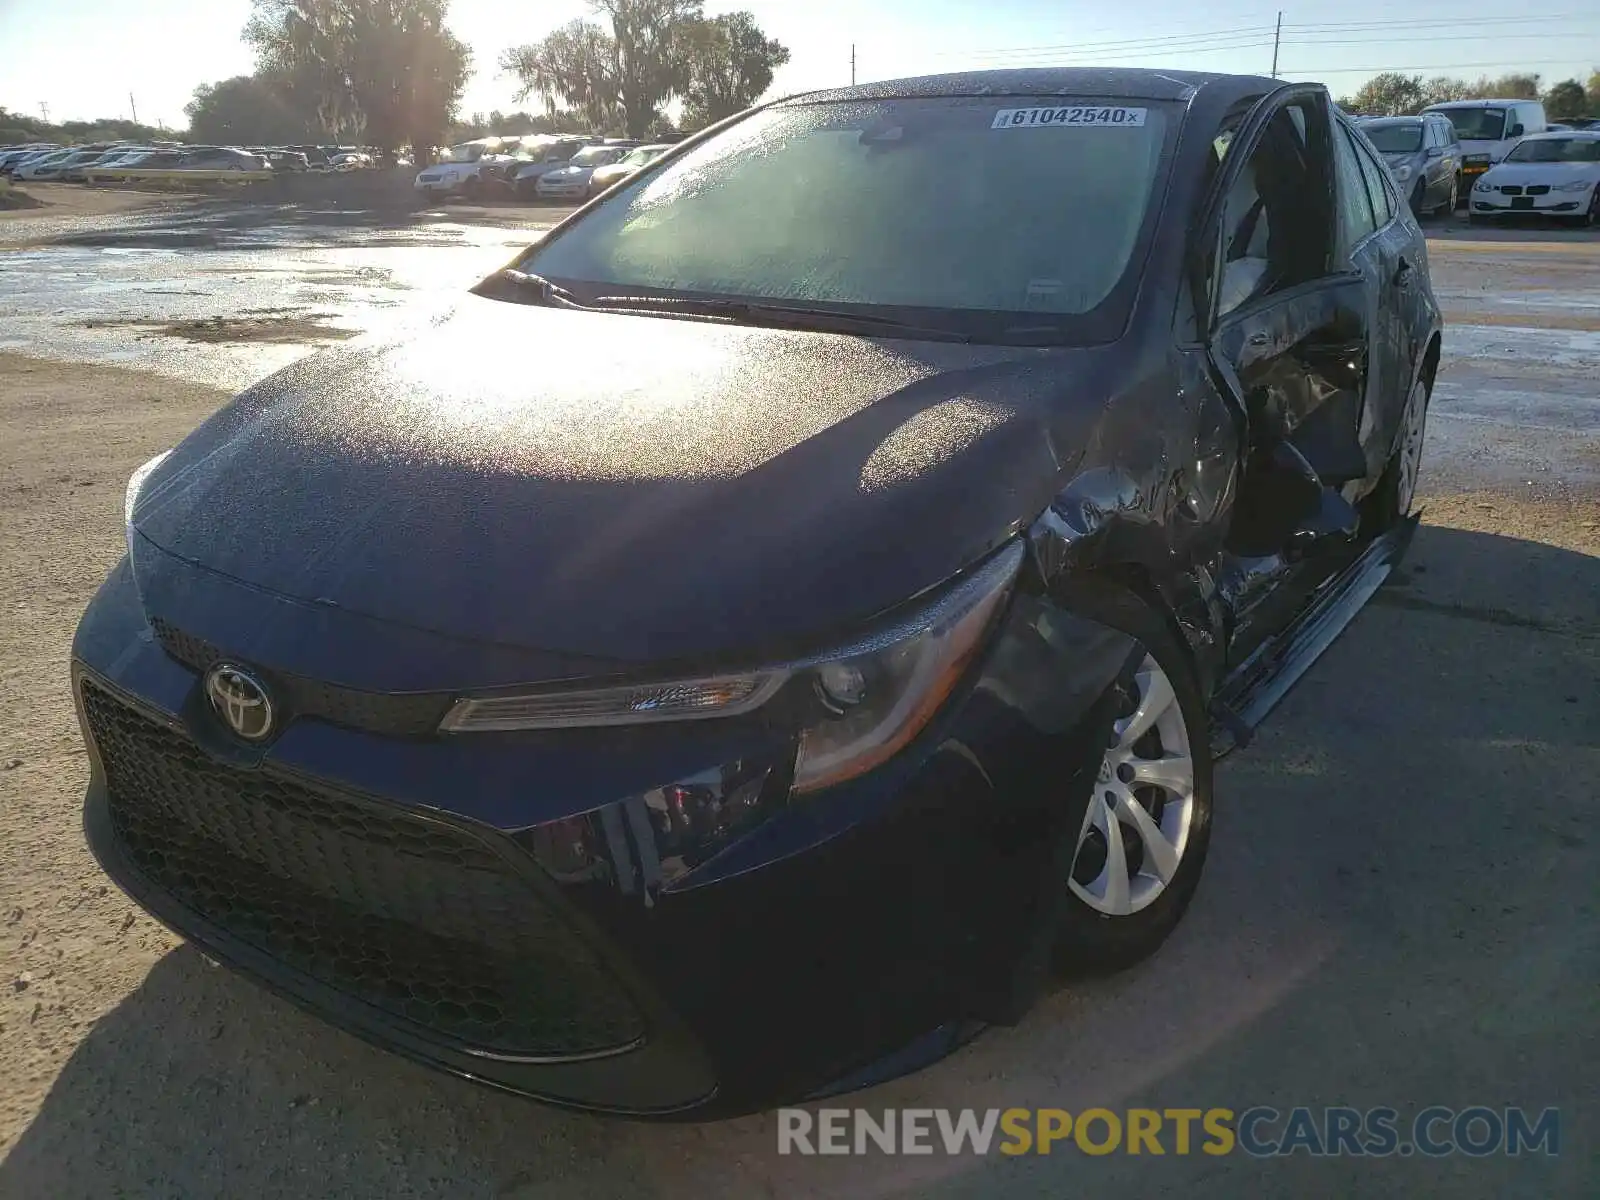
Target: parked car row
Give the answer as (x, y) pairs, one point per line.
(1495, 157)
(72, 164)
(537, 167)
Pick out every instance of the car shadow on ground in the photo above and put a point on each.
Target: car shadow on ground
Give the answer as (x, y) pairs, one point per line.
(1399, 909)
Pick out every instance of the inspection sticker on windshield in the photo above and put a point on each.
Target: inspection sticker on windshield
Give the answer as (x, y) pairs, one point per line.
(1078, 114)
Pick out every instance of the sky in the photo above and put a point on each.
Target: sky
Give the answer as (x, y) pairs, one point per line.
(85, 58)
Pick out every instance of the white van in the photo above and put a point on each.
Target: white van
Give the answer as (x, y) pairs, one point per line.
(1487, 129)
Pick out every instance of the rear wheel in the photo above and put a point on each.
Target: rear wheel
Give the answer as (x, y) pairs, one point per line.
(1397, 489)
(1132, 865)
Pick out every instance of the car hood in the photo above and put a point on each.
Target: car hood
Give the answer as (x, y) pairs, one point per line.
(655, 489)
(1553, 174)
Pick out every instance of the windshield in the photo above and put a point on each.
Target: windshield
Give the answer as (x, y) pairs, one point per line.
(1477, 124)
(595, 156)
(1549, 150)
(966, 205)
(1395, 139)
(638, 158)
(463, 154)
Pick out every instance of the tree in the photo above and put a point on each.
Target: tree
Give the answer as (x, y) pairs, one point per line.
(1516, 86)
(1444, 87)
(730, 65)
(20, 127)
(1565, 99)
(243, 111)
(619, 77)
(1593, 89)
(574, 66)
(392, 62)
(1390, 94)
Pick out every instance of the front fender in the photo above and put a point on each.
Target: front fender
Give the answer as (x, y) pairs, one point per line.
(1154, 522)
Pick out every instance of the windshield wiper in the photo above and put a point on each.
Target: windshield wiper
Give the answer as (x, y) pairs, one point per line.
(760, 312)
(548, 292)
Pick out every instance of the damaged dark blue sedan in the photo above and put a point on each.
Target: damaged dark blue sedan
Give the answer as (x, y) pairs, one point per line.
(977, 458)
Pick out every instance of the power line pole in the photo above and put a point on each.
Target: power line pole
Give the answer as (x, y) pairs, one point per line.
(1277, 36)
(134, 107)
(852, 64)
(45, 109)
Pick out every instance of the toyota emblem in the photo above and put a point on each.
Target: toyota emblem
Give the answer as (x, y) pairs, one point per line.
(241, 700)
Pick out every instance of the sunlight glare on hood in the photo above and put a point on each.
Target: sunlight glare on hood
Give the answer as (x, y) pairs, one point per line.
(928, 438)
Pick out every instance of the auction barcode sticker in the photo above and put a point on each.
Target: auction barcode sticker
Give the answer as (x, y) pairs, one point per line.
(1036, 118)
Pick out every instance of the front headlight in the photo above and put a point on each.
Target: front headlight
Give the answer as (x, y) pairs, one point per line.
(876, 696)
(1577, 185)
(1483, 185)
(1403, 172)
(857, 705)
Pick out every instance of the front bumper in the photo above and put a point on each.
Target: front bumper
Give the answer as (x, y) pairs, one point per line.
(560, 191)
(1551, 204)
(429, 895)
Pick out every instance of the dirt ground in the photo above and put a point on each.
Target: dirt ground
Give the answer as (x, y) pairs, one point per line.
(71, 200)
(1400, 908)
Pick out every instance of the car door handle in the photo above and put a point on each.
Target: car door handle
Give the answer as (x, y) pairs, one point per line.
(1403, 273)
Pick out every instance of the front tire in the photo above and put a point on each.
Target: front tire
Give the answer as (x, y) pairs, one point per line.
(1132, 866)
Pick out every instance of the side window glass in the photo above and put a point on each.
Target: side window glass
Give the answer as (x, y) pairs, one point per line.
(1382, 206)
(1356, 220)
(1276, 228)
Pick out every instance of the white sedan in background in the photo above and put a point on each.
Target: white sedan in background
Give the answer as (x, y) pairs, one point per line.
(571, 182)
(1551, 174)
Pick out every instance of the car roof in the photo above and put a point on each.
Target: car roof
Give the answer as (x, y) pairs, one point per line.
(1416, 120)
(1115, 83)
(1478, 103)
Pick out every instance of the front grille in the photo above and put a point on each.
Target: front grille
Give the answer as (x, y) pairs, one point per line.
(410, 915)
(1538, 189)
(406, 715)
(1511, 189)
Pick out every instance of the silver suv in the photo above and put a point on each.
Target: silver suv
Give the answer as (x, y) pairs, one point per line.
(1425, 158)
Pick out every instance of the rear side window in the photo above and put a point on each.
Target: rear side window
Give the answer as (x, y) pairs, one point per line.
(1355, 206)
(1373, 170)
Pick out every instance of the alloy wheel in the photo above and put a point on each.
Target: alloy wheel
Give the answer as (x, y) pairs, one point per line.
(1411, 438)
(1137, 825)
